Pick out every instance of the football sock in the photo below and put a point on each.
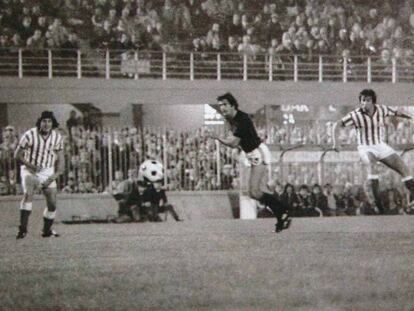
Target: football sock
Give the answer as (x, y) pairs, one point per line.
(24, 219)
(47, 224)
(48, 218)
(25, 211)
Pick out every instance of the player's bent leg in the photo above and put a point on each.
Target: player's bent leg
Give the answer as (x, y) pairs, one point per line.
(49, 213)
(396, 163)
(257, 184)
(170, 209)
(373, 179)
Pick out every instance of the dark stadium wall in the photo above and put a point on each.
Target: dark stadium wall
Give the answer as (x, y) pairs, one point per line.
(3, 115)
(179, 117)
(253, 94)
(25, 115)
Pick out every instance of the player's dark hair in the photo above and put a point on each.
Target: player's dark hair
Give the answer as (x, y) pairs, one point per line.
(368, 93)
(47, 115)
(230, 98)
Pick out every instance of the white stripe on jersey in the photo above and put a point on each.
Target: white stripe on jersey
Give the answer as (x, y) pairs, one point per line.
(370, 130)
(38, 150)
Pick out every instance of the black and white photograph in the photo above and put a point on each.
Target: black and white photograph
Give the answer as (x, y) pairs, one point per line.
(207, 155)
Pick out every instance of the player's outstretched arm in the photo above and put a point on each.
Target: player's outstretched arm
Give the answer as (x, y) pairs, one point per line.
(230, 141)
(404, 115)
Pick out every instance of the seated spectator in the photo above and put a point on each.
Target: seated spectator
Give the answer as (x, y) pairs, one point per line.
(319, 200)
(392, 200)
(70, 186)
(289, 199)
(4, 186)
(330, 200)
(70, 44)
(305, 207)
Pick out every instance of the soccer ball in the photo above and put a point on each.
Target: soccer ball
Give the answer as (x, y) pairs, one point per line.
(151, 170)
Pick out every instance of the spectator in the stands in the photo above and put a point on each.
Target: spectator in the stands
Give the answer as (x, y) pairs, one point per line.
(42, 24)
(232, 45)
(274, 28)
(4, 185)
(58, 32)
(37, 41)
(25, 28)
(392, 199)
(289, 199)
(235, 29)
(70, 186)
(98, 18)
(319, 200)
(72, 121)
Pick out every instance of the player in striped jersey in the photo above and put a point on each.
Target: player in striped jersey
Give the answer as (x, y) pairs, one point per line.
(369, 122)
(40, 151)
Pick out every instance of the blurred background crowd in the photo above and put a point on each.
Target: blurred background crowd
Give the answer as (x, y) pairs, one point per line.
(97, 160)
(306, 27)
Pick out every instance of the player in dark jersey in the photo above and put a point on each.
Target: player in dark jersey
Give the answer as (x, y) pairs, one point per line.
(129, 195)
(40, 151)
(369, 122)
(244, 136)
(159, 202)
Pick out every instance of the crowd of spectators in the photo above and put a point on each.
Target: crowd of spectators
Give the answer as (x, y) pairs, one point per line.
(397, 132)
(192, 162)
(342, 200)
(92, 156)
(281, 28)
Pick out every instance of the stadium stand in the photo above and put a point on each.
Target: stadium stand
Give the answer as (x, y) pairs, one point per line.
(351, 31)
(264, 39)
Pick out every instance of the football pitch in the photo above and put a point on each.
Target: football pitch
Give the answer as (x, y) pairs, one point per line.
(342, 263)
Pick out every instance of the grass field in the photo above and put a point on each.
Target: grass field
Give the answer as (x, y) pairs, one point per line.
(343, 263)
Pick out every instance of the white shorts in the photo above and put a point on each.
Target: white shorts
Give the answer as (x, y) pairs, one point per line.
(260, 155)
(40, 176)
(380, 151)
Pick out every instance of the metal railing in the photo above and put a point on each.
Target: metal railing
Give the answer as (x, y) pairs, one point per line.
(133, 64)
(95, 161)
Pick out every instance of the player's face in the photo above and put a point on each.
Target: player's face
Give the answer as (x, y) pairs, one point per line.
(46, 125)
(367, 103)
(226, 108)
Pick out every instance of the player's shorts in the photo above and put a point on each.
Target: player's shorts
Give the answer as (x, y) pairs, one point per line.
(380, 151)
(260, 155)
(40, 177)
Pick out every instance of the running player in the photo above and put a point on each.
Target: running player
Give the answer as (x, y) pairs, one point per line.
(244, 135)
(369, 121)
(40, 153)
